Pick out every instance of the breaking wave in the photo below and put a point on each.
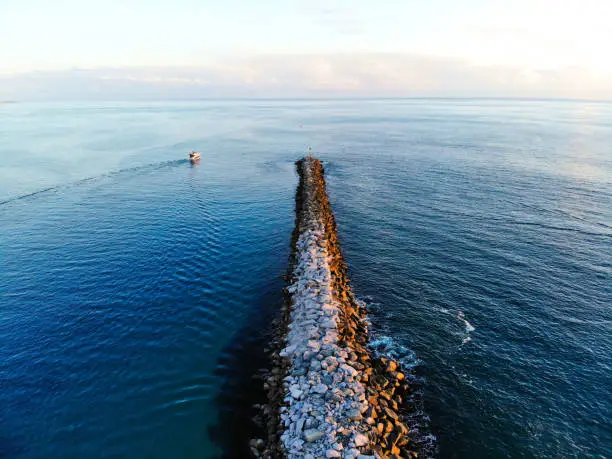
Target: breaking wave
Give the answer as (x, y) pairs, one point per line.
(416, 417)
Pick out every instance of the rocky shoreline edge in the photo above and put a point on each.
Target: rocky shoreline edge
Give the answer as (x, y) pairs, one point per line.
(328, 395)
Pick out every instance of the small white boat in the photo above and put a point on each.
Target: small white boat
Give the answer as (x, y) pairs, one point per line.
(194, 156)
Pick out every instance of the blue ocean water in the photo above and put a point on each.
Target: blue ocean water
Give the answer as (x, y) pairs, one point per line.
(137, 289)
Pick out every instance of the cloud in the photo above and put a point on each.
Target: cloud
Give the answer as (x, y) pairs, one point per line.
(311, 75)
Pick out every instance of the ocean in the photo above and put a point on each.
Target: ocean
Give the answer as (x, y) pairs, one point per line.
(138, 290)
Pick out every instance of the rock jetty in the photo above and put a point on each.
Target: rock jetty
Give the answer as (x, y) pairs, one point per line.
(328, 395)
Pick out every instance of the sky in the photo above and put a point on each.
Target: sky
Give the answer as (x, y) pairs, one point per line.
(289, 48)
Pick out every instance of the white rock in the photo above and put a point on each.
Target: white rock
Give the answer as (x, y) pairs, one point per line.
(297, 444)
(360, 440)
(320, 388)
(295, 392)
(289, 349)
(311, 435)
(312, 343)
(349, 369)
(300, 425)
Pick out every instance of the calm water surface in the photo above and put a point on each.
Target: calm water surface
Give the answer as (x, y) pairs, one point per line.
(137, 289)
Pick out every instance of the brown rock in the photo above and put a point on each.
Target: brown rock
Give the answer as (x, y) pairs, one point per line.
(401, 427)
(391, 366)
(380, 381)
(394, 437)
(392, 414)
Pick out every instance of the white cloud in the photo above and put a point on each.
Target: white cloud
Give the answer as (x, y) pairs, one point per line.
(314, 75)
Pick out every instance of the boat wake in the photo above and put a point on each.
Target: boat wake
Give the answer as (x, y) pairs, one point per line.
(94, 178)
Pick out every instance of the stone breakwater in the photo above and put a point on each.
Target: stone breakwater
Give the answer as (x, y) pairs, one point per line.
(328, 396)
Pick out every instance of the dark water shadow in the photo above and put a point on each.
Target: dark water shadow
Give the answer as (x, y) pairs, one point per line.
(236, 367)
(10, 447)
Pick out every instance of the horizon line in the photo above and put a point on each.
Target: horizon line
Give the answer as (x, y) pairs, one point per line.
(331, 98)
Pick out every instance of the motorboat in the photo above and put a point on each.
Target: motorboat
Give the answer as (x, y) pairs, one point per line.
(194, 156)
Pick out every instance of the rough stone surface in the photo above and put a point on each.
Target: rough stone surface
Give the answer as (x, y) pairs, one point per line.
(315, 314)
(328, 396)
(313, 435)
